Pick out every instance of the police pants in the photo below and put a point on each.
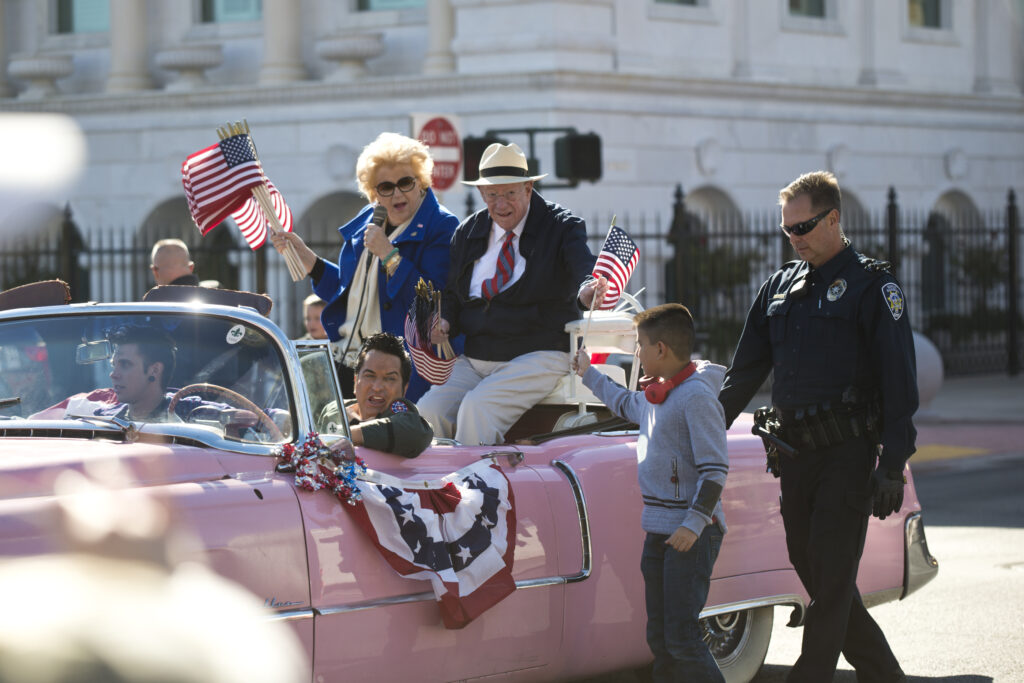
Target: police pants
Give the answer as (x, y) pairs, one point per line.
(826, 503)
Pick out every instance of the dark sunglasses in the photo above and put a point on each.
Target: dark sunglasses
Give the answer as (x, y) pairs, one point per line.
(806, 226)
(387, 188)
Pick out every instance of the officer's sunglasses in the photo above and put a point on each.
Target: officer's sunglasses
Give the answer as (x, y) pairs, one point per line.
(806, 226)
(387, 188)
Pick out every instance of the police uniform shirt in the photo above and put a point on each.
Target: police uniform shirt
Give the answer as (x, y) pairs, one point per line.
(824, 330)
(400, 429)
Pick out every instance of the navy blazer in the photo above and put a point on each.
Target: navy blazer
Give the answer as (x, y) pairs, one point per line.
(531, 314)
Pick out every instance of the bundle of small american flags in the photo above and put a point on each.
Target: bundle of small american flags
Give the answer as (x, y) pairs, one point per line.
(227, 179)
(423, 315)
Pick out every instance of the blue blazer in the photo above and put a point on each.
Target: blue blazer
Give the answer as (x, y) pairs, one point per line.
(425, 250)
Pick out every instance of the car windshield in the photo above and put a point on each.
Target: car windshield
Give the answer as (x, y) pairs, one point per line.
(181, 368)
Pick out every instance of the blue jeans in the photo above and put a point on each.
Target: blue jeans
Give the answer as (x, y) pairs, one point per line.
(676, 588)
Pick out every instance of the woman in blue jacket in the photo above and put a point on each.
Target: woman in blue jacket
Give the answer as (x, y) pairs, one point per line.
(372, 285)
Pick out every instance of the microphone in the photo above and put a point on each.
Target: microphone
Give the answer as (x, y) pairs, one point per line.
(380, 214)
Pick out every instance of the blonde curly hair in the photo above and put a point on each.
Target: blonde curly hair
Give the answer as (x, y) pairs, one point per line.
(390, 149)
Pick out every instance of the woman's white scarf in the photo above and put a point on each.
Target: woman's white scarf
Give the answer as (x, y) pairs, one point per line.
(362, 317)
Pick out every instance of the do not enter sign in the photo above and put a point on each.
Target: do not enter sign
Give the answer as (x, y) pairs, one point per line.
(440, 134)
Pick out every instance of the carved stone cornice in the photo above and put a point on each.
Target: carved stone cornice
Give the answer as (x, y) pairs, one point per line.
(679, 96)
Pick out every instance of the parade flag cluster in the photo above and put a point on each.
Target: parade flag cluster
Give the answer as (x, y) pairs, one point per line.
(227, 179)
(617, 259)
(219, 179)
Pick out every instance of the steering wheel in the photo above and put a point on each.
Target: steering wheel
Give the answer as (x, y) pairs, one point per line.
(233, 397)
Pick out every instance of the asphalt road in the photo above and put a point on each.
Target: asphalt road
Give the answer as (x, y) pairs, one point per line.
(967, 625)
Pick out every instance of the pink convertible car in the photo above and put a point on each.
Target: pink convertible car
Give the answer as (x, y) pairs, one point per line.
(239, 389)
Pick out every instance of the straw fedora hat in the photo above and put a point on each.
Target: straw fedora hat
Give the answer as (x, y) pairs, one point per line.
(503, 164)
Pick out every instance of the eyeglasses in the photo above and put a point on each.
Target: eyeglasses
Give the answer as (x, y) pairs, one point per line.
(491, 196)
(387, 188)
(806, 226)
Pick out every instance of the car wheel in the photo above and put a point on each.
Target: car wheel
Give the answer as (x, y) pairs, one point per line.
(739, 641)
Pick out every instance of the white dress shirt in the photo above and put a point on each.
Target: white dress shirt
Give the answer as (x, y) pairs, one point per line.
(487, 264)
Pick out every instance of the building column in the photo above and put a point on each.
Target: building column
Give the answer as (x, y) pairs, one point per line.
(128, 69)
(5, 89)
(868, 71)
(282, 43)
(741, 67)
(440, 32)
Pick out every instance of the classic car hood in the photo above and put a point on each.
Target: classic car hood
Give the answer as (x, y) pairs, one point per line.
(29, 466)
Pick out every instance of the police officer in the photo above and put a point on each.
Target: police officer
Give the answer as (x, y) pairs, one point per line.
(834, 330)
(380, 416)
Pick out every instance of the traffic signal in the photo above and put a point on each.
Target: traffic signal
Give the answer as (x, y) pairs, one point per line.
(578, 156)
(472, 149)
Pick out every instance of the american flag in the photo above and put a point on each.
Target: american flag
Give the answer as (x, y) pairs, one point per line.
(457, 532)
(219, 178)
(253, 222)
(616, 262)
(431, 368)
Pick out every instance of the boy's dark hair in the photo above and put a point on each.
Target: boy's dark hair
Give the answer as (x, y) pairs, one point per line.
(671, 324)
(385, 342)
(155, 346)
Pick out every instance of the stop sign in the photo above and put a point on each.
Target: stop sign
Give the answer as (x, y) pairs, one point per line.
(445, 146)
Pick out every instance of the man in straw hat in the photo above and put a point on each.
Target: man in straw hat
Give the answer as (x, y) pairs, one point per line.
(520, 270)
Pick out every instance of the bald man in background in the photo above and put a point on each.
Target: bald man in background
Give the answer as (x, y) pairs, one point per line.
(171, 264)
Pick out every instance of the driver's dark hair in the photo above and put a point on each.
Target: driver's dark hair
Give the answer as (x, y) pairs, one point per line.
(385, 342)
(154, 344)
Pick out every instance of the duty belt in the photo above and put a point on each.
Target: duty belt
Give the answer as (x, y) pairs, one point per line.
(816, 427)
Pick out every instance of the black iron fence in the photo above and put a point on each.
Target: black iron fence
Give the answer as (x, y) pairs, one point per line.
(961, 273)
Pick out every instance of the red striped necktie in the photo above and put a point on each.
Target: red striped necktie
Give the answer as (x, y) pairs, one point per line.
(502, 270)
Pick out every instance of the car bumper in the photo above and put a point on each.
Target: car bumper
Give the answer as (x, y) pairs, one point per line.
(919, 566)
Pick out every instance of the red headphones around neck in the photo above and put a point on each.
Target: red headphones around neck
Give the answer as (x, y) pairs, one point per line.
(657, 392)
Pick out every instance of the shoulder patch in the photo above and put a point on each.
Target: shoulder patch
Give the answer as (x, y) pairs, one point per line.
(893, 296)
(398, 407)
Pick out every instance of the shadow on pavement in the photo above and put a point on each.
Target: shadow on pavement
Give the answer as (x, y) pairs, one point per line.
(982, 492)
(776, 673)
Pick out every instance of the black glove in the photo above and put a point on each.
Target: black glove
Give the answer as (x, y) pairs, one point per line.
(887, 487)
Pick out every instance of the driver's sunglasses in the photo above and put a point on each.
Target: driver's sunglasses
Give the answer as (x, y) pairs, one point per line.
(387, 188)
(806, 226)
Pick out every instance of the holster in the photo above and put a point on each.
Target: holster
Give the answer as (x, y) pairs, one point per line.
(768, 427)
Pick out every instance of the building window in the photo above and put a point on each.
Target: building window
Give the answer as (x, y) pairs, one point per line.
(83, 16)
(693, 3)
(925, 13)
(807, 8)
(373, 5)
(225, 11)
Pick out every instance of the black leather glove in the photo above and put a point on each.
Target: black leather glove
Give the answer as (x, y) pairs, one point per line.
(887, 487)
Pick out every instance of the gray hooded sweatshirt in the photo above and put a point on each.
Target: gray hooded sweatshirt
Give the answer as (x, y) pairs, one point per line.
(681, 451)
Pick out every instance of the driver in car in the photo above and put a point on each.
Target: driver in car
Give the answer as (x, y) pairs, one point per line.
(142, 364)
(380, 416)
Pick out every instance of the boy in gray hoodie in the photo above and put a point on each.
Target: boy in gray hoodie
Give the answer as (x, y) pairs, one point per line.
(682, 465)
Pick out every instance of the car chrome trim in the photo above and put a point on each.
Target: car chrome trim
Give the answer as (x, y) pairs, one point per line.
(291, 615)
(791, 599)
(371, 604)
(581, 507)
(919, 566)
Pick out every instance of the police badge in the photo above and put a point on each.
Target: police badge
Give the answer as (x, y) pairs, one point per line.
(836, 289)
(894, 299)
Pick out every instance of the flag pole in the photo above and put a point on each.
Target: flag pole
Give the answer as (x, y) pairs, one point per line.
(593, 302)
(586, 330)
(262, 196)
